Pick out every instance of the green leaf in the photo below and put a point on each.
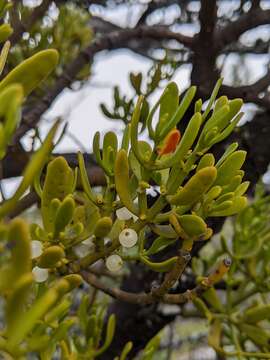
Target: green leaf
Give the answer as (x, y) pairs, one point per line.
(10, 111)
(109, 335)
(205, 161)
(193, 225)
(5, 32)
(64, 215)
(168, 105)
(96, 150)
(134, 131)
(221, 101)
(212, 298)
(196, 186)
(145, 151)
(233, 207)
(136, 81)
(257, 313)
(159, 244)
(233, 184)
(230, 149)
(163, 266)
(151, 347)
(258, 335)
(27, 320)
(110, 145)
(203, 309)
(58, 184)
(228, 130)
(3, 56)
(85, 180)
(125, 139)
(122, 181)
(180, 112)
(32, 71)
(215, 334)
(59, 311)
(212, 98)
(17, 299)
(227, 170)
(126, 350)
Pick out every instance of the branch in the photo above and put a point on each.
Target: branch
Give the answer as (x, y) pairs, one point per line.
(139, 46)
(250, 93)
(207, 17)
(259, 47)
(230, 33)
(174, 275)
(132, 298)
(114, 40)
(148, 298)
(25, 203)
(204, 73)
(152, 7)
(15, 161)
(151, 297)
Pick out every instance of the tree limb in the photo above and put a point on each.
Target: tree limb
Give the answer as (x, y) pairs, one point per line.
(111, 41)
(24, 203)
(15, 161)
(148, 298)
(230, 33)
(259, 47)
(204, 72)
(251, 93)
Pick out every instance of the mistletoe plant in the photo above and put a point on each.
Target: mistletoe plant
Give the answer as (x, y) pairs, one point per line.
(41, 264)
(113, 225)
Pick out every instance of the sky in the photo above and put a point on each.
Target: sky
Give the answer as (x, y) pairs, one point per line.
(82, 107)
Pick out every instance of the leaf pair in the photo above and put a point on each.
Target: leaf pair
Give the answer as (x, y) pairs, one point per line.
(60, 181)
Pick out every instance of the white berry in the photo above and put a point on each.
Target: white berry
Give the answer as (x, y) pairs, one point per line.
(128, 238)
(36, 249)
(40, 275)
(114, 263)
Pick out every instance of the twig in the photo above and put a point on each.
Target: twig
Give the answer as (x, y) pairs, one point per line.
(173, 275)
(25, 203)
(250, 93)
(230, 33)
(148, 298)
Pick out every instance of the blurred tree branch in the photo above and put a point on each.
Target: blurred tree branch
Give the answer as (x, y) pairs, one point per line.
(232, 31)
(114, 40)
